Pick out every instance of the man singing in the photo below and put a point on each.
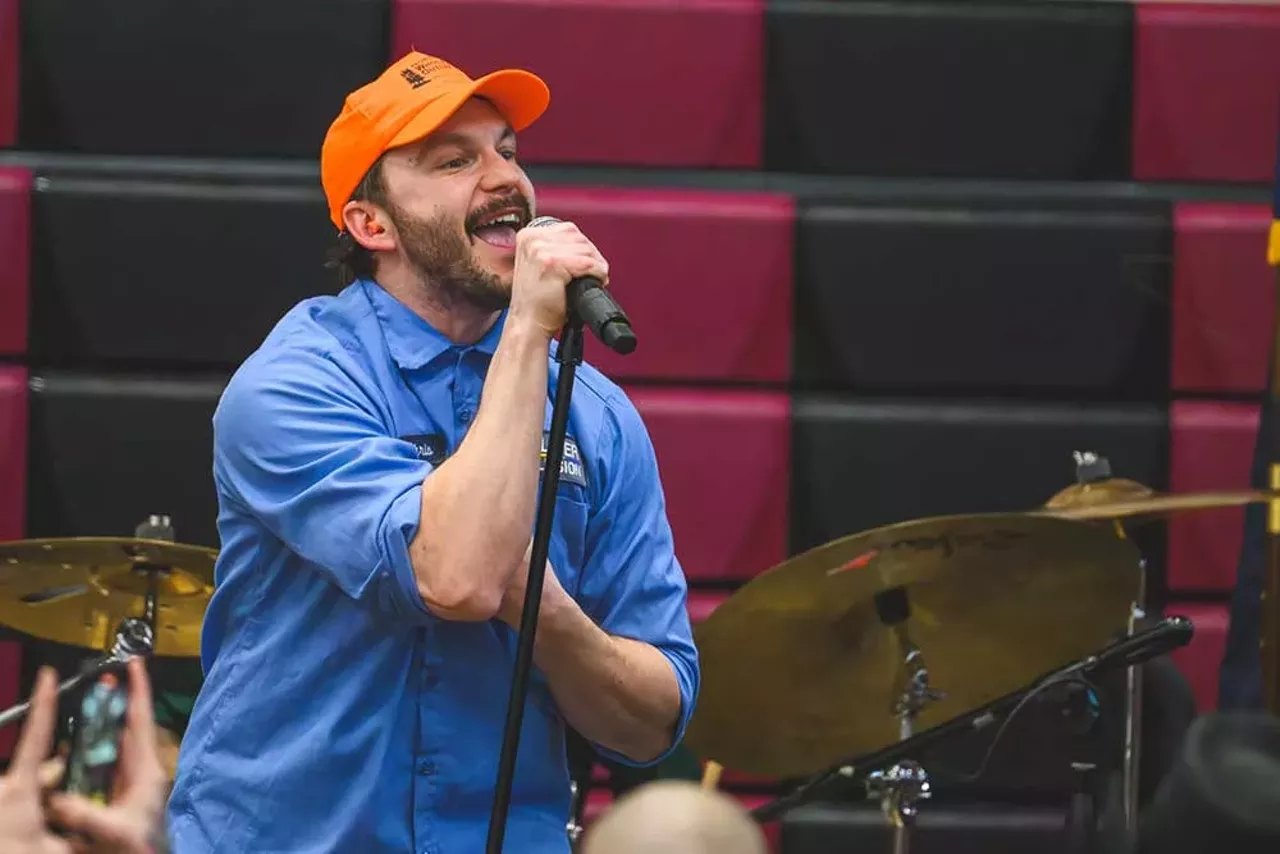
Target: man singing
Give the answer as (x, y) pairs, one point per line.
(377, 463)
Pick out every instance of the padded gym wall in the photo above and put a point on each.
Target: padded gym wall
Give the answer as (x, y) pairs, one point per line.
(200, 78)
(654, 84)
(927, 89)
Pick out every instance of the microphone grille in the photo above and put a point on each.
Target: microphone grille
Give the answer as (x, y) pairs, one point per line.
(542, 220)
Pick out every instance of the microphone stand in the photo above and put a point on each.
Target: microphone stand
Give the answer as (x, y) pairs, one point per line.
(569, 356)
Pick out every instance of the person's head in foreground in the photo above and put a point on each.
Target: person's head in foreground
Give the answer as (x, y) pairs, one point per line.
(422, 182)
(675, 817)
(1222, 795)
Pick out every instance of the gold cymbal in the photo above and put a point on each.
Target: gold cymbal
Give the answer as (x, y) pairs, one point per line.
(76, 591)
(1150, 508)
(1109, 491)
(801, 673)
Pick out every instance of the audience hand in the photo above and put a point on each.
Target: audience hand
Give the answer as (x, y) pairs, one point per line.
(133, 822)
(22, 821)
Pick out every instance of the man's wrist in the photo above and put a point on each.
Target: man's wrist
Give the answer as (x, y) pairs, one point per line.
(524, 331)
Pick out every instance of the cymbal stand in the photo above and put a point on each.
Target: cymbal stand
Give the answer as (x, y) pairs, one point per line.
(906, 782)
(1091, 467)
(133, 638)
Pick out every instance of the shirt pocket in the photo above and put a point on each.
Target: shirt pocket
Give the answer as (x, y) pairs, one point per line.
(568, 549)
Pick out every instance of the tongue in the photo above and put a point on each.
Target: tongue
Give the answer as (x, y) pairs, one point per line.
(501, 236)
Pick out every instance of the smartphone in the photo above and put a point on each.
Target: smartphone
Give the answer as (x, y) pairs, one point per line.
(97, 725)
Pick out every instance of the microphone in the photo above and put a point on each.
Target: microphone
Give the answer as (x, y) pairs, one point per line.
(597, 307)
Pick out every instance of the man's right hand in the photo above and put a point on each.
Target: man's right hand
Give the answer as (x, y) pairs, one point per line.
(548, 257)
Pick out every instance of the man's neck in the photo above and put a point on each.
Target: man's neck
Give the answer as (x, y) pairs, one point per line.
(461, 323)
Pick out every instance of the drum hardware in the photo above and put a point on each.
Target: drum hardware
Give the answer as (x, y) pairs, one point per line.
(133, 640)
(1148, 642)
(577, 800)
(73, 591)
(1269, 642)
(905, 783)
(803, 651)
(1093, 476)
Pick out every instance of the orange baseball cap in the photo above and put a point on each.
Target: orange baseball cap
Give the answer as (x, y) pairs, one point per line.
(408, 101)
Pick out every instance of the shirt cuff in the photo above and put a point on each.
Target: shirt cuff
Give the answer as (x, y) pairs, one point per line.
(397, 583)
(688, 693)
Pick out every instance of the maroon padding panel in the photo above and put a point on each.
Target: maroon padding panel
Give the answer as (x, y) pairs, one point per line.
(704, 276)
(1200, 660)
(725, 458)
(13, 501)
(649, 83)
(1210, 449)
(15, 251)
(1206, 91)
(1223, 298)
(9, 43)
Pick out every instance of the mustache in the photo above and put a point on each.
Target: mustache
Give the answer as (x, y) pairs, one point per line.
(513, 200)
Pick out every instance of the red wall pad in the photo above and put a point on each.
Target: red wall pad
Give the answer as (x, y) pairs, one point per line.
(13, 452)
(8, 72)
(1210, 449)
(15, 215)
(704, 276)
(1199, 660)
(633, 82)
(1206, 91)
(725, 459)
(13, 500)
(1223, 298)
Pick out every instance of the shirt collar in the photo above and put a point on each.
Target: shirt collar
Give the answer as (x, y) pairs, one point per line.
(412, 341)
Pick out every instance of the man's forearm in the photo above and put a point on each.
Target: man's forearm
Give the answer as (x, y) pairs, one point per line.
(618, 692)
(478, 506)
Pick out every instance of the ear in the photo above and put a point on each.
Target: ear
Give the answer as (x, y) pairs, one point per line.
(370, 226)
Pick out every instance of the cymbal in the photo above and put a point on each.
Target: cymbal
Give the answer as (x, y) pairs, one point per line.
(800, 673)
(1109, 491)
(1150, 508)
(76, 591)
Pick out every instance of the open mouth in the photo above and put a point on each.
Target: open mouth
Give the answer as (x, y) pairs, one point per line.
(498, 229)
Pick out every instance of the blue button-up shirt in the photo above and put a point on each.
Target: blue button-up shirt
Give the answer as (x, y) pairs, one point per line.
(337, 713)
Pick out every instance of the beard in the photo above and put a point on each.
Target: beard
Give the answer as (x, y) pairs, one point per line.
(445, 263)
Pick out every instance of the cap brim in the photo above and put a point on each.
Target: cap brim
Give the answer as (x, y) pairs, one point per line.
(520, 96)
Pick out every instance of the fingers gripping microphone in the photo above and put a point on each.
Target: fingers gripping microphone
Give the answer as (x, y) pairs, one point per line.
(596, 307)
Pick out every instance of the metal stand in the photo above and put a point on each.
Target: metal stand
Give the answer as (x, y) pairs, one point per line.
(134, 638)
(569, 356)
(1091, 467)
(906, 782)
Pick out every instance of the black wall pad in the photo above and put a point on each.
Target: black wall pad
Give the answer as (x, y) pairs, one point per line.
(986, 829)
(984, 294)
(107, 452)
(199, 77)
(981, 89)
(861, 464)
(172, 272)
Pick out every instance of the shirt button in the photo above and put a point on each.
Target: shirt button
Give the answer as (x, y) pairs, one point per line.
(425, 768)
(465, 415)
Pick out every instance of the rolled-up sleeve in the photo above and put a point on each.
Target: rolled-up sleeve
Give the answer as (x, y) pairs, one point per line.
(633, 585)
(301, 448)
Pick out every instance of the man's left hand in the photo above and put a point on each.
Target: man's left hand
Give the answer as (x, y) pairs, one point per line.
(512, 607)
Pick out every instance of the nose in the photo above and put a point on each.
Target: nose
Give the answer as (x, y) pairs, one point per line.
(499, 173)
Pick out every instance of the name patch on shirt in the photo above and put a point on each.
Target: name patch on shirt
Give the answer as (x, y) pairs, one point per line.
(430, 447)
(571, 468)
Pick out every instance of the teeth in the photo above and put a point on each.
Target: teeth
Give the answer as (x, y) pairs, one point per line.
(505, 219)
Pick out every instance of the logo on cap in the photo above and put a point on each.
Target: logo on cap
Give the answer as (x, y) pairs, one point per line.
(415, 79)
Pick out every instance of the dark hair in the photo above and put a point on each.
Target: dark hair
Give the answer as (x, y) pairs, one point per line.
(349, 258)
